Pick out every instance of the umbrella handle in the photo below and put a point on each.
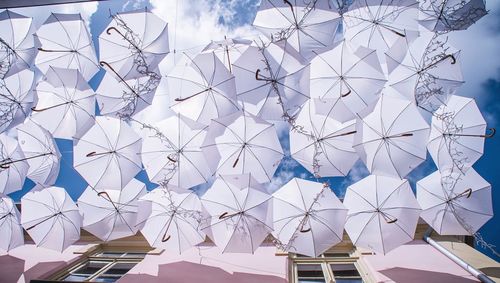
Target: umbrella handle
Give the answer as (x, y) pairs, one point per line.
(171, 159)
(236, 162)
(51, 50)
(224, 215)
(453, 59)
(104, 193)
(90, 154)
(257, 73)
(305, 231)
(5, 166)
(346, 94)
(469, 192)
(391, 221)
(491, 134)
(164, 239)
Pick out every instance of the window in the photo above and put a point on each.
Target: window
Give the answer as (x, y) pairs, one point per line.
(328, 267)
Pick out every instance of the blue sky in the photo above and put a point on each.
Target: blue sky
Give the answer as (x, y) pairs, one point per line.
(216, 18)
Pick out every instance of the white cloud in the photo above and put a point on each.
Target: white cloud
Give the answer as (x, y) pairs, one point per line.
(40, 14)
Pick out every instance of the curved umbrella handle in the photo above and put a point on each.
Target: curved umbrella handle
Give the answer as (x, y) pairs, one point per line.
(108, 31)
(104, 193)
(345, 94)
(257, 75)
(390, 221)
(5, 166)
(90, 154)
(468, 192)
(305, 230)
(224, 215)
(492, 133)
(171, 159)
(165, 237)
(453, 59)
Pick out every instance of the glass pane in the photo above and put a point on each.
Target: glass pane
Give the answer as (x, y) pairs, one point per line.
(120, 268)
(348, 280)
(336, 255)
(90, 267)
(106, 279)
(310, 273)
(75, 278)
(136, 255)
(110, 254)
(346, 273)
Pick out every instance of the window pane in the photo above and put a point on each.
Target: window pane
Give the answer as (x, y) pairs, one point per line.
(110, 254)
(310, 273)
(120, 268)
(75, 278)
(345, 273)
(90, 267)
(136, 255)
(106, 279)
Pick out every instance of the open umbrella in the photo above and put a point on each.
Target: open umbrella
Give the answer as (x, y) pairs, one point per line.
(171, 219)
(13, 165)
(308, 217)
(107, 156)
(111, 214)
(242, 143)
(227, 50)
(457, 134)
(383, 213)
(450, 15)
(391, 138)
(11, 231)
(16, 98)
(51, 218)
(240, 213)
(202, 89)
(455, 203)
(306, 25)
(66, 103)
(171, 153)
(17, 47)
(66, 43)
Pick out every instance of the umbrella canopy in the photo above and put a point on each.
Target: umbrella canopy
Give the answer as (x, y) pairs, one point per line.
(51, 218)
(450, 15)
(242, 143)
(111, 214)
(270, 82)
(171, 153)
(13, 165)
(17, 47)
(457, 134)
(107, 156)
(307, 26)
(11, 231)
(41, 153)
(170, 219)
(383, 213)
(133, 44)
(202, 89)
(240, 213)
(308, 217)
(66, 103)
(16, 98)
(66, 43)
(227, 50)
(391, 138)
(455, 204)
(323, 145)
(353, 75)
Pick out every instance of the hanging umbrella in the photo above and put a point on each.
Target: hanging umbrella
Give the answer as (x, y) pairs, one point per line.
(133, 44)
(457, 134)
(383, 213)
(11, 231)
(202, 89)
(355, 76)
(17, 47)
(391, 138)
(41, 153)
(111, 214)
(450, 15)
(13, 165)
(455, 203)
(170, 219)
(66, 103)
(227, 50)
(429, 72)
(322, 144)
(240, 214)
(107, 156)
(307, 26)
(16, 99)
(66, 43)
(171, 153)
(270, 82)
(308, 217)
(242, 143)
(51, 218)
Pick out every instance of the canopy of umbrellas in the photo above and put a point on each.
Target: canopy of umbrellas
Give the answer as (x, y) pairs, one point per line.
(368, 79)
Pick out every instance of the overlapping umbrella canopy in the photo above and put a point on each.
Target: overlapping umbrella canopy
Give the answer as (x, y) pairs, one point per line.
(13, 165)
(11, 231)
(449, 15)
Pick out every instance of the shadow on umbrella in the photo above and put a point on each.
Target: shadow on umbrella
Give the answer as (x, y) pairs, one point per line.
(407, 275)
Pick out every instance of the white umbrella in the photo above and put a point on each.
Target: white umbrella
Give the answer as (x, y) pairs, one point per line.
(391, 138)
(270, 82)
(107, 156)
(240, 213)
(17, 47)
(66, 103)
(322, 144)
(171, 153)
(13, 165)
(111, 214)
(455, 204)
(457, 134)
(134, 43)
(170, 219)
(11, 231)
(353, 75)
(16, 98)
(202, 89)
(450, 15)
(242, 143)
(306, 25)
(308, 217)
(66, 43)
(383, 213)
(227, 50)
(51, 218)
(41, 153)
